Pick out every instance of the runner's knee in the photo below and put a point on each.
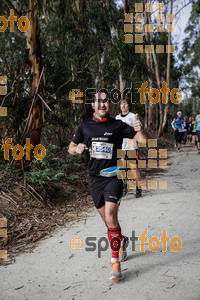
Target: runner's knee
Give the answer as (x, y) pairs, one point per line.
(111, 219)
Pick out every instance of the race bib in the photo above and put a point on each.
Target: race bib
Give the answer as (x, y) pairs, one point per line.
(101, 150)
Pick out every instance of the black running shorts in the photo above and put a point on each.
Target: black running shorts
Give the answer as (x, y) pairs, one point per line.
(178, 136)
(105, 189)
(198, 135)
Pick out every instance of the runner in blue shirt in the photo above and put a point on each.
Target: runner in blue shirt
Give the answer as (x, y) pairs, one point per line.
(178, 127)
(198, 130)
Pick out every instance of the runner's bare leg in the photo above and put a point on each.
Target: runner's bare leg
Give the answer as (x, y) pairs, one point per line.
(102, 213)
(108, 213)
(111, 214)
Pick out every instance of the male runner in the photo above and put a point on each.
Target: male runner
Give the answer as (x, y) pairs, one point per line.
(198, 130)
(186, 126)
(101, 136)
(129, 118)
(194, 132)
(178, 129)
(173, 124)
(190, 128)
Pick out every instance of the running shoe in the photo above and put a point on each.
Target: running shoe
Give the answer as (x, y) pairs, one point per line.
(116, 271)
(179, 149)
(122, 250)
(138, 193)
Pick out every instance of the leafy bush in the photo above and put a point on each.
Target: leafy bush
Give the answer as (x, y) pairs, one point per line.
(57, 165)
(54, 168)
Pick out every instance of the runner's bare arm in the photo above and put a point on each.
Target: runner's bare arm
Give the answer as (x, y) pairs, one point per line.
(76, 149)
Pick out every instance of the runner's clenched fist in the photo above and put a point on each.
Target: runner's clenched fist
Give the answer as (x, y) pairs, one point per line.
(80, 148)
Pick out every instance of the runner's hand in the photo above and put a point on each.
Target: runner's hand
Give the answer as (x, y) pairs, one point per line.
(137, 126)
(175, 129)
(80, 148)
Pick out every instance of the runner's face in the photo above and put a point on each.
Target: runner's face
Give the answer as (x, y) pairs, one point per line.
(101, 105)
(124, 107)
(179, 115)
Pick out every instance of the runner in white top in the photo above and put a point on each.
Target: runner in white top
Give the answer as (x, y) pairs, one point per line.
(129, 118)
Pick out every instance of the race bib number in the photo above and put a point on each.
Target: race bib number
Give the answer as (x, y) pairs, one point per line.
(102, 150)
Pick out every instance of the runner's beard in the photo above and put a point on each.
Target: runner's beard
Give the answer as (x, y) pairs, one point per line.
(101, 113)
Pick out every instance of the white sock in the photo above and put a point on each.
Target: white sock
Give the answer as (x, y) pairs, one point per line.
(113, 259)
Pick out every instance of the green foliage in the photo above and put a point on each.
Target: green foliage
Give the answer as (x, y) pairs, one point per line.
(10, 170)
(54, 168)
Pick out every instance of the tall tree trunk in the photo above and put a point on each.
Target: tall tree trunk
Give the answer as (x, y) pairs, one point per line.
(35, 121)
(78, 7)
(122, 83)
(158, 87)
(157, 82)
(126, 7)
(101, 72)
(36, 114)
(149, 69)
(168, 78)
